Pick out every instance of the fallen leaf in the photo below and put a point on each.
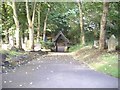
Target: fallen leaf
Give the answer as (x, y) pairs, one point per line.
(5, 81)
(31, 83)
(20, 85)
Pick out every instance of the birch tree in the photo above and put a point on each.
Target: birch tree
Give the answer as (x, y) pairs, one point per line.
(45, 23)
(31, 25)
(38, 29)
(15, 16)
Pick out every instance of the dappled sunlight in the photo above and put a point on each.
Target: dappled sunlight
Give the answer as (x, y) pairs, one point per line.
(59, 45)
(86, 56)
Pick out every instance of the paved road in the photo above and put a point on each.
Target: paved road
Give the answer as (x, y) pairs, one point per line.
(56, 71)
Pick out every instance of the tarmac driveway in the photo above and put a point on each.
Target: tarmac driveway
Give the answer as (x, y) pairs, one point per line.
(56, 71)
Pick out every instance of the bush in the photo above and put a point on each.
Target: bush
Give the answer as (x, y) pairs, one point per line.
(75, 47)
(47, 45)
(118, 47)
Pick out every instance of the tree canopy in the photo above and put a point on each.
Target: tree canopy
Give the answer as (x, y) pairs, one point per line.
(43, 20)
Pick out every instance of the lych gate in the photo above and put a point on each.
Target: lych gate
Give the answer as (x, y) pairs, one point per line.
(61, 42)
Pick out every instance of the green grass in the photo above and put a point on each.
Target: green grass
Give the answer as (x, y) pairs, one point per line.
(10, 52)
(108, 63)
(75, 48)
(100, 61)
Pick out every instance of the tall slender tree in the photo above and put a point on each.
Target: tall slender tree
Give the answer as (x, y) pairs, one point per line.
(17, 31)
(103, 26)
(38, 29)
(82, 36)
(31, 25)
(15, 16)
(45, 23)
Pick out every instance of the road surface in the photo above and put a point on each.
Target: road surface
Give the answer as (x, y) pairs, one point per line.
(56, 70)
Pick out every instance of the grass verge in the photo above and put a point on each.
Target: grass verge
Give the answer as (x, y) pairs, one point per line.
(100, 61)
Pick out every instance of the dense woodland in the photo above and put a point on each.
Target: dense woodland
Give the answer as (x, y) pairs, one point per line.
(39, 22)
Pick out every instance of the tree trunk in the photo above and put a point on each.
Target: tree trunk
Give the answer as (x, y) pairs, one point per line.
(45, 23)
(31, 37)
(18, 38)
(103, 25)
(7, 36)
(82, 36)
(38, 29)
(30, 26)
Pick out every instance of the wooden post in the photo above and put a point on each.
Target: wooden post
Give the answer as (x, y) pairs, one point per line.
(56, 46)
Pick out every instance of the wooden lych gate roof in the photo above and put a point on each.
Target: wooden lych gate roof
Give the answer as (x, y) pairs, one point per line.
(60, 35)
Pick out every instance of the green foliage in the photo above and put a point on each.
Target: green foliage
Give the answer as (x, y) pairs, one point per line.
(11, 53)
(47, 45)
(62, 17)
(65, 17)
(75, 48)
(7, 16)
(0, 30)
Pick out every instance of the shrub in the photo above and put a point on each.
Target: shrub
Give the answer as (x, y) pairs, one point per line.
(47, 45)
